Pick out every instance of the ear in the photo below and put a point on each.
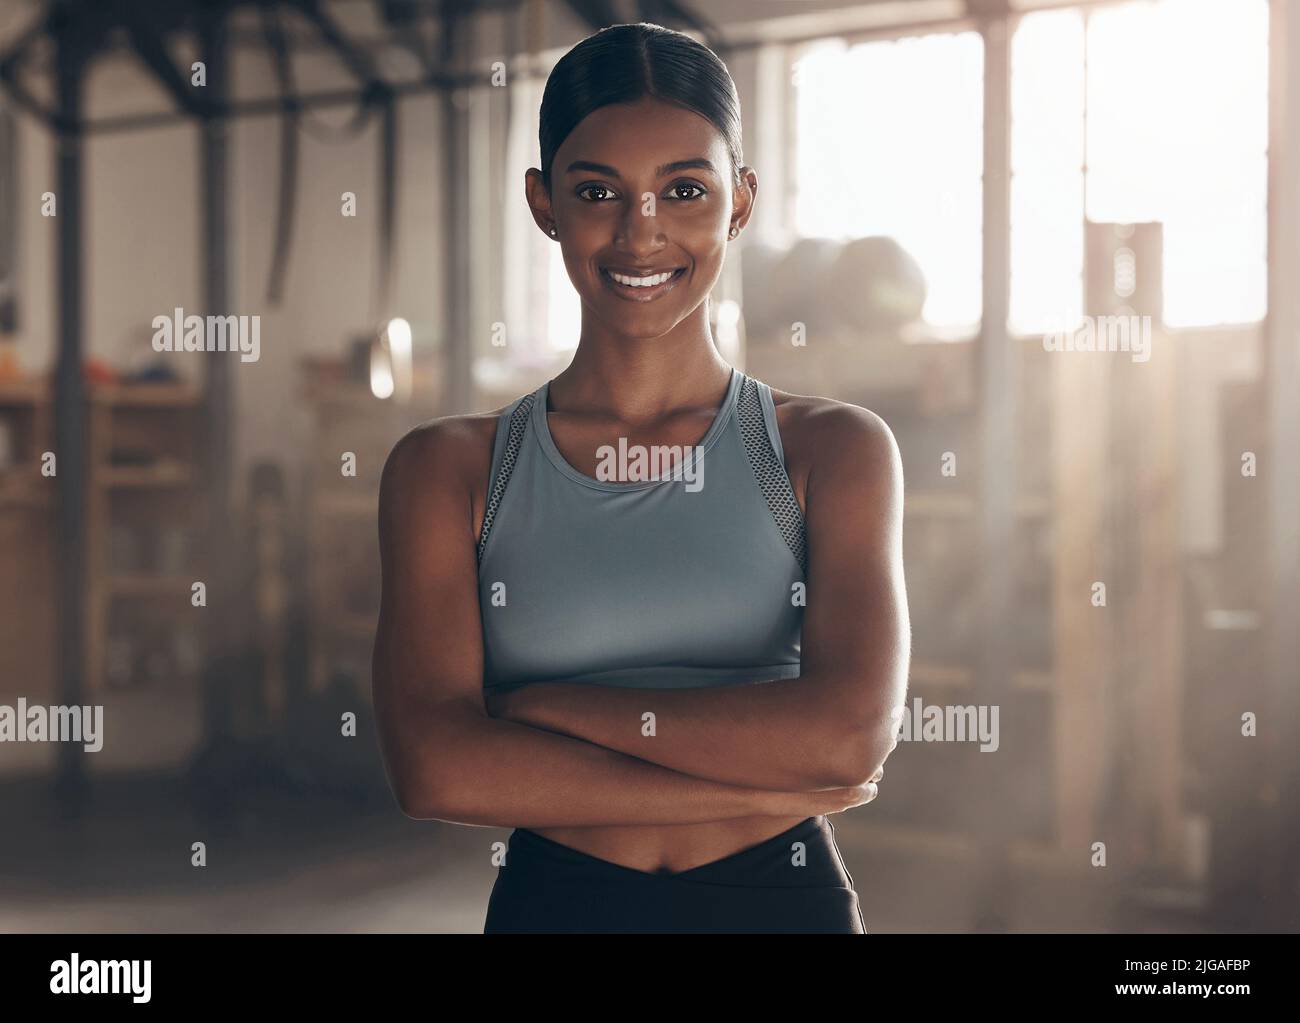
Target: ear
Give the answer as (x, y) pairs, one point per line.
(743, 197)
(539, 200)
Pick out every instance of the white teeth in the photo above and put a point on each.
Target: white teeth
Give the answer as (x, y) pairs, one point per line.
(640, 282)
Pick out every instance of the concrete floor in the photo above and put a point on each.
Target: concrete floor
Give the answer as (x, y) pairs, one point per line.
(314, 864)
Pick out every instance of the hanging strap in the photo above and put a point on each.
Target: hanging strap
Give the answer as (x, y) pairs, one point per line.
(770, 473)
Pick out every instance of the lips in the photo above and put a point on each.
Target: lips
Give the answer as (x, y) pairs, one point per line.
(641, 285)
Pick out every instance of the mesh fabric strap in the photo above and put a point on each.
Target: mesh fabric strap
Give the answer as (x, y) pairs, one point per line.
(770, 473)
(518, 424)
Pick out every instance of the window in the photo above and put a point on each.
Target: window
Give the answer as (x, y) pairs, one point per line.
(563, 309)
(1047, 173)
(1165, 102)
(543, 313)
(889, 142)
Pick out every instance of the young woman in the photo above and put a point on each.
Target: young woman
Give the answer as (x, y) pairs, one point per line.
(666, 680)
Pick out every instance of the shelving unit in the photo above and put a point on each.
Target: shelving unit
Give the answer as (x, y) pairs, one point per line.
(142, 552)
(141, 631)
(342, 517)
(27, 582)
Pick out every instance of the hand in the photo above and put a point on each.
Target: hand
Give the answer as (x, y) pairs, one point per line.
(857, 795)
(822, 801)
(843, 799)
(838, 800)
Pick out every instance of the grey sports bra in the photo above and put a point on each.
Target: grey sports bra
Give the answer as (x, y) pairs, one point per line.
(663, 583)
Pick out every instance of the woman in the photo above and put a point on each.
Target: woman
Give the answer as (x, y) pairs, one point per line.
(572, 642)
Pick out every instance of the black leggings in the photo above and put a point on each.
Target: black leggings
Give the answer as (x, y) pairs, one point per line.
(770, 888)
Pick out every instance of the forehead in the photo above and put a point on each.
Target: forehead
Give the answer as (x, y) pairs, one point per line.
(637, 137)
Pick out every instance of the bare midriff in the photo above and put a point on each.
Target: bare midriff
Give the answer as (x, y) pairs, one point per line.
(670, 848)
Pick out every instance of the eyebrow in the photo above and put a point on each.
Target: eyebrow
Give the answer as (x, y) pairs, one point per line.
(694, 163)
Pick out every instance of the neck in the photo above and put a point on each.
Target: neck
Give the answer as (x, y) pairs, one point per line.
(641, 378)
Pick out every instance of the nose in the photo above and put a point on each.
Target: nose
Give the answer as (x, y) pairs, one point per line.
(639, 231)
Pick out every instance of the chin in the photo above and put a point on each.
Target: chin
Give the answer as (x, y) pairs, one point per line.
(647, 332)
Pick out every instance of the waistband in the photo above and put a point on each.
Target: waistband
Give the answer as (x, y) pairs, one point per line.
(803, 856)
(793, 882)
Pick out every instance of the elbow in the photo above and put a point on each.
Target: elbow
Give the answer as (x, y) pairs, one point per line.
(422, 797)
(431, 764)
(860, 749)
(414, 802)
(430, 788)
(409, 777)
(413, 793)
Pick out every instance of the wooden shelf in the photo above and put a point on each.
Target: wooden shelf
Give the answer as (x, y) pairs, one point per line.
(23, 485)
(350, 396)
(341, 514)
(159, 395)
(959, 676)
(166, 474)
(144, 585)
(938, 504)
(125, 417)
(24, 391)
(959, 845)
(334, 502)
(160, 421)
(29, 598)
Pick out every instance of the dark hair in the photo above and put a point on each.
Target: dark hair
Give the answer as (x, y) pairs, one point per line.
(625, 63)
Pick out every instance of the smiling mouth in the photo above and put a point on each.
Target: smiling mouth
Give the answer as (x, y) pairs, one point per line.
(641, 287)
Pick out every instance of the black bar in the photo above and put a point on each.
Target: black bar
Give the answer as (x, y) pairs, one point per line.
(918, 973)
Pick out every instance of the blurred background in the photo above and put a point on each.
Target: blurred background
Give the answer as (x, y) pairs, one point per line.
(947, 186)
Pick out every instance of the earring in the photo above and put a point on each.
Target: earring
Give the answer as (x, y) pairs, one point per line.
(734, 231)
(552, 232)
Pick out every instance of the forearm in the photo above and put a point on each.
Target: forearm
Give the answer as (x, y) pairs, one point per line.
(467, 768)
(795, 734)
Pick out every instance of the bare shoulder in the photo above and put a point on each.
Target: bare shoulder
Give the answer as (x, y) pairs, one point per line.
(449, 455)
(825, 437)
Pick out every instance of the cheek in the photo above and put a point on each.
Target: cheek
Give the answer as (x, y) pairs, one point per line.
(705, 231)
(704, 215)
(707, 244)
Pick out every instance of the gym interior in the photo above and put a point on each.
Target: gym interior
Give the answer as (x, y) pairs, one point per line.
(1055, 245)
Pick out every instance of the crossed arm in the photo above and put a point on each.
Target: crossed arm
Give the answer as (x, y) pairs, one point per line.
(550, 759)
(833, 724)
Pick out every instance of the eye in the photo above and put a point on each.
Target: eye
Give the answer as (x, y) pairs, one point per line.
(683, 189)
(595, 193)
